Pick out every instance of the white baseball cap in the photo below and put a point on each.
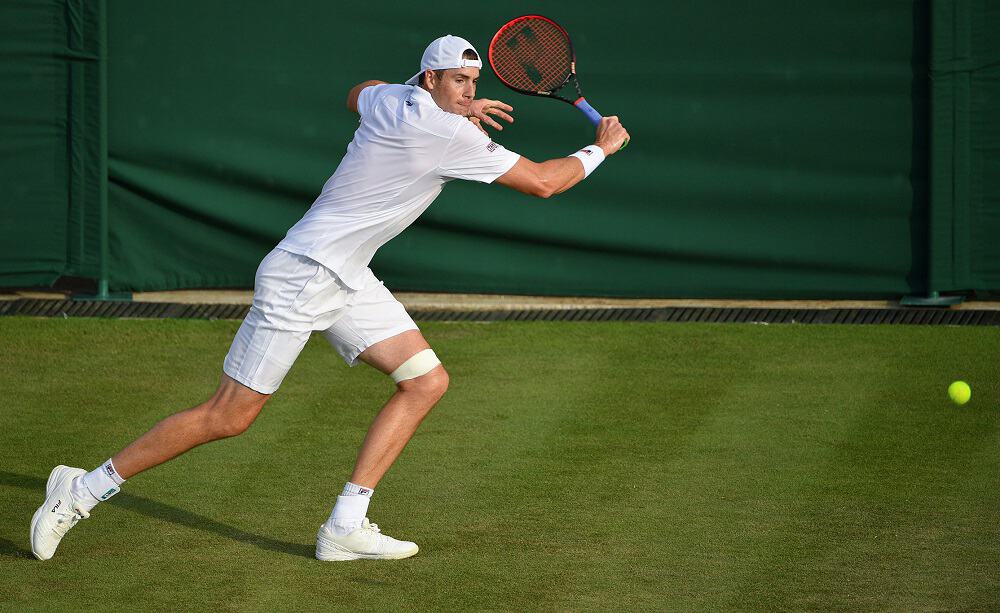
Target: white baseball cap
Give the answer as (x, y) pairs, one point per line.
(443, 53)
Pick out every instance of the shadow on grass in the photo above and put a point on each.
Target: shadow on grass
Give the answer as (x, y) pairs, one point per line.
(9, 549)
(158, 510)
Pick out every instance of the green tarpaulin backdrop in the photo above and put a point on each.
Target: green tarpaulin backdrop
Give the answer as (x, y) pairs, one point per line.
(780, 148)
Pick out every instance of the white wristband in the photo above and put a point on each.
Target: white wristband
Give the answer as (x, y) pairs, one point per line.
(591, 156)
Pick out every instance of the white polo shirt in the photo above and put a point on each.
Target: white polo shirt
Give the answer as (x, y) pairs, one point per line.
(403, 153)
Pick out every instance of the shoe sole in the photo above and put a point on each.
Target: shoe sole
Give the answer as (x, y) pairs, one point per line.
(336, 553)
(41, 510)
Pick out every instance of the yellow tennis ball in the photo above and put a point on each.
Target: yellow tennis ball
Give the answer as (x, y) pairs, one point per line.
(959, 392)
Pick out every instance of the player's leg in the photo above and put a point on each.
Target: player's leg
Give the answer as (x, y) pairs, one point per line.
(347, 534)
(377, 330)
(289, 290)
(229, 412)
(396, 423)
(72, 493)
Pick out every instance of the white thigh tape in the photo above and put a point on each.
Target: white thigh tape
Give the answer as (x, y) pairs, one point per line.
(420, 364)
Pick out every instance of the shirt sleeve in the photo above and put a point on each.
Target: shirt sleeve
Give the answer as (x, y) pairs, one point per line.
(367, 98)
(472, 156)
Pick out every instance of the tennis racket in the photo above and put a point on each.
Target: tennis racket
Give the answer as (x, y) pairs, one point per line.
(533, 55)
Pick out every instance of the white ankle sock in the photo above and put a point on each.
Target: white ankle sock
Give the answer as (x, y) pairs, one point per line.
(97, 485)
(82, 495)
(350, 510)
(353, 489)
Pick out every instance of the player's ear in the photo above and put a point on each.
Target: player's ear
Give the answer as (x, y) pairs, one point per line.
(430, 79)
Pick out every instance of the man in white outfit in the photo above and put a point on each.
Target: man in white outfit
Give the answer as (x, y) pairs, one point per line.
(412, 140)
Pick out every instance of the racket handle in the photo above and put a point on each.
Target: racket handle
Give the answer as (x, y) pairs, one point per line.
(589, 111)
(593, 115)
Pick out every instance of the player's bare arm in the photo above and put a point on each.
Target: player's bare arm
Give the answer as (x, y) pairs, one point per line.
(352, 96)
(558, 175)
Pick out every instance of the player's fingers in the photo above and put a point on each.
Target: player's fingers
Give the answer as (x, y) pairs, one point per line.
(501, 115)
(497, 104)
(489, 121)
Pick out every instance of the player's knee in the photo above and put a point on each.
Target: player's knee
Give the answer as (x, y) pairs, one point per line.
(422, 372)
(436, 382)
(432, 384)
(227, 420)
(234, 426)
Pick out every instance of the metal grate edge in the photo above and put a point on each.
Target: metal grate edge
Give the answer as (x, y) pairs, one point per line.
(162, 310)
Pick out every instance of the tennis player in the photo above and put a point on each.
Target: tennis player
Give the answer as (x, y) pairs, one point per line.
(412, 140)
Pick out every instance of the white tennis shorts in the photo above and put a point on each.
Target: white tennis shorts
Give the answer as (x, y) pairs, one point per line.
(293, 296)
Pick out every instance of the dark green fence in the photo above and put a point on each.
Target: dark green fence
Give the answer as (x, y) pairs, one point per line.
(780, 149)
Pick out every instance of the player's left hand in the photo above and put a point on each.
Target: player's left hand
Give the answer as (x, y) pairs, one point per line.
(480, 112)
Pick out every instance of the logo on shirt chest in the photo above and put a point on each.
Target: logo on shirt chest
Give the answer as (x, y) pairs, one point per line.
(492, 147)
(408, 103)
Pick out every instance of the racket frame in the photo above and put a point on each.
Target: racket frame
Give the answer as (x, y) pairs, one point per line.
(580, 102)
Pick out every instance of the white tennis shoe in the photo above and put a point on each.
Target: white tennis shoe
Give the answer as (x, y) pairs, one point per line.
(367, 543)
(58, 514)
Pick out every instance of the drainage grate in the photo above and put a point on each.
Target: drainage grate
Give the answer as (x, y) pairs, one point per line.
(729, 315)
(165, 310)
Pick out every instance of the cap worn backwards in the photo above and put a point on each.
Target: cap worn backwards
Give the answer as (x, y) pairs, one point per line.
(444, 53)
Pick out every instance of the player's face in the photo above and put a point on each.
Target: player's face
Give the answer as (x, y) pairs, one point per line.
(455, 90)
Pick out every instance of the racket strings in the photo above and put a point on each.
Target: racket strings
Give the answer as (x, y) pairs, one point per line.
(533, 55)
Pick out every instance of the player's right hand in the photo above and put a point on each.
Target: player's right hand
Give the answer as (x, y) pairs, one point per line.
(611, 135)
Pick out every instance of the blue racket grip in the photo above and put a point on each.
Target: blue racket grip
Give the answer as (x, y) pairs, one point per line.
(589, 111)
(593, 115)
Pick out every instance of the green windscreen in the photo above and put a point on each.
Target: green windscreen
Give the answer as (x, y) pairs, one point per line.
(49, 176)
(779, 149)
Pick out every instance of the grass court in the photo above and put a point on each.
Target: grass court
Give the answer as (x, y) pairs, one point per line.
(571, 466)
